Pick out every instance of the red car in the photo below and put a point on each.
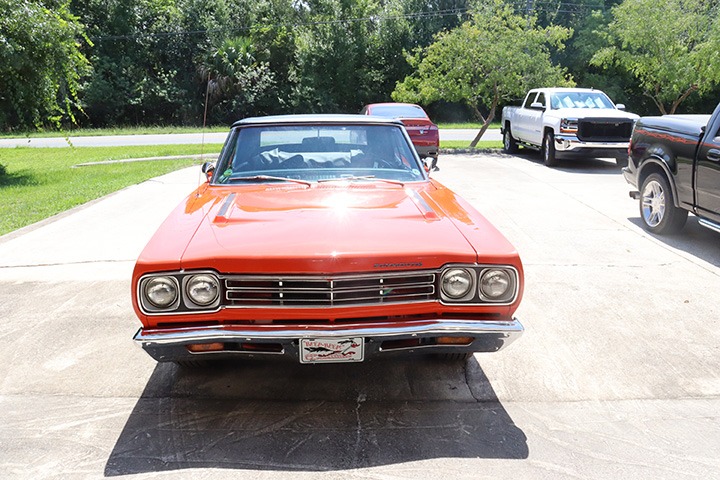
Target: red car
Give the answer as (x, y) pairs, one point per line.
(423, 132)
(322, 238)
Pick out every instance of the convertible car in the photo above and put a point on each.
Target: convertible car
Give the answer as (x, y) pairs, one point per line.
(323, 239)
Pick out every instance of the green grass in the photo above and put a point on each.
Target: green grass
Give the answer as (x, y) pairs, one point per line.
(100, 132)
(467, 125)
(41, 182)
(465, 144)
(157, 130)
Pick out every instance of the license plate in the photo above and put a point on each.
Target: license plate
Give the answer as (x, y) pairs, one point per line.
(331, 350)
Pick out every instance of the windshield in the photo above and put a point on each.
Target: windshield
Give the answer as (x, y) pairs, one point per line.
(398, 111)
(313, 153)
(580, 100)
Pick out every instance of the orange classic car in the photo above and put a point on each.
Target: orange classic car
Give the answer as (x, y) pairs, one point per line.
(322, 238)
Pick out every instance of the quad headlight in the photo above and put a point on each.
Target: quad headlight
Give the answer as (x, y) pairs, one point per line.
(161, 292)
(179, 292)
(495, 284)
(202, 290)
(456, 283)
(478, 284)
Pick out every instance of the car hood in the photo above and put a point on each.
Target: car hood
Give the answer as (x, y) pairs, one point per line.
(324, 228)
(592, 113)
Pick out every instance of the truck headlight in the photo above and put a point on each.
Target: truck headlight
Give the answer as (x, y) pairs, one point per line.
(161, 292)
(569, 125)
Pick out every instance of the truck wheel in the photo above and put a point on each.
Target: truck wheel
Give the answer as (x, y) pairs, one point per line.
(509, 143)
(657, 207)
(548, 150)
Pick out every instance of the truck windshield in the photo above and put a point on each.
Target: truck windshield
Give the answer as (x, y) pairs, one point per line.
(580, 100)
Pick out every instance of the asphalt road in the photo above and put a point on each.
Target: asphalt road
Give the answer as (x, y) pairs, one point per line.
(616, 377)
(184, 139)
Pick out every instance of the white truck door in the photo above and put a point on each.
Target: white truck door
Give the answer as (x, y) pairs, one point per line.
(521, 127)
(535, 120)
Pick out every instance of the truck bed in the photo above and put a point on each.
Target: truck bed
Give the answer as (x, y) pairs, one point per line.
(690, 125)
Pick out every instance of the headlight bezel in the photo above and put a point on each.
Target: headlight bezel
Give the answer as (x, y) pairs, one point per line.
(471, 278)
(569, 125)
(477, 296)
(191, 302)
(183, 304)
(153, 305)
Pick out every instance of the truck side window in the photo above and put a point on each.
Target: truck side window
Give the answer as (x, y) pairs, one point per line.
(529, 100)
(541, 99)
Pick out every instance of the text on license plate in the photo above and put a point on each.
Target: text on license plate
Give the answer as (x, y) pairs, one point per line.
(330, 350)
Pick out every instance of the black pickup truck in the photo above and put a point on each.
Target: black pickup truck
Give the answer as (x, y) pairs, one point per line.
(674, 161)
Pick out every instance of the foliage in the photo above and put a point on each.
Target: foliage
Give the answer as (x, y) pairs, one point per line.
(470, 63)
(235, 78)
(154, 62)
(669, 46)
(41, 65)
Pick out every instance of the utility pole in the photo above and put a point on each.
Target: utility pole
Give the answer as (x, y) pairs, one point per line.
(527, 13)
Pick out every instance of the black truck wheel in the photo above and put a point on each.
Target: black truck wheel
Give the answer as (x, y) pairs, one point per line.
(509, 143)
(548, 150)
(657, 206)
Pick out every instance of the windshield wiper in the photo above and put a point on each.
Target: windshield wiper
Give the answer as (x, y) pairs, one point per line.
(271, 178)
(361, 177)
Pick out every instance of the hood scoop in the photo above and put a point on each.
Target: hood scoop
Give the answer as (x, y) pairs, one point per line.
(226, 209)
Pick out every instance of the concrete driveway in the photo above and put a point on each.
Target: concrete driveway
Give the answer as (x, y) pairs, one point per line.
(617, 375)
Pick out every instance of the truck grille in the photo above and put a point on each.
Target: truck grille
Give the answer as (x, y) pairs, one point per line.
(315, 291)
(604, 130)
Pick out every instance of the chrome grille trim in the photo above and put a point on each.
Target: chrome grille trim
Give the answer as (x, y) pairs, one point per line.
(263, 291)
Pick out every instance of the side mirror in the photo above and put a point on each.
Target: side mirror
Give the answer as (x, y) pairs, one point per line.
(430, 164)
(208, 168)
(620, 106)
(537, 106)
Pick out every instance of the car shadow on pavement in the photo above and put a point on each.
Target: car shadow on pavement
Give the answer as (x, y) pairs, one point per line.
(601, 166)
(278, 415)
(694, 239)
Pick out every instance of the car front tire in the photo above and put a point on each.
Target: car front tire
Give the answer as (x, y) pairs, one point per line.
(657, 206)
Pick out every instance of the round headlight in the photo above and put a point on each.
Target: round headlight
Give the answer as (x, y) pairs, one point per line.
(456, 283)
(161, 292)
(495, 284)
(202, 289)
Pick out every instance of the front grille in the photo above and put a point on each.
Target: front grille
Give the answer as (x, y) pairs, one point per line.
(604, 130)
(316, 291)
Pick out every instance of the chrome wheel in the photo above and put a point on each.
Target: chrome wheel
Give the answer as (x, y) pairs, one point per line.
(657, 206)
(653, 203)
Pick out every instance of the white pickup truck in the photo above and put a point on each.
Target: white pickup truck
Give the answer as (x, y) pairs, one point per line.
(566, 122)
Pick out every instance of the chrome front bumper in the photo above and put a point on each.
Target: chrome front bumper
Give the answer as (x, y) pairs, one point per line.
(167, 345)
(570, 143)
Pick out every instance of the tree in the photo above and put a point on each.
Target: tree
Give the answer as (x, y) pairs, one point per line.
(41, 65)
(669, 46)
(235, 79)
(497, 56)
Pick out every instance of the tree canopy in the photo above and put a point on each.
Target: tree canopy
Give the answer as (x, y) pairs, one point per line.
(497, 56)
(671, 47)
(41, 63)
(142, 62)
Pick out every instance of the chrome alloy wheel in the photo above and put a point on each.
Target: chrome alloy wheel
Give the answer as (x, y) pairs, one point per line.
(653, 203)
